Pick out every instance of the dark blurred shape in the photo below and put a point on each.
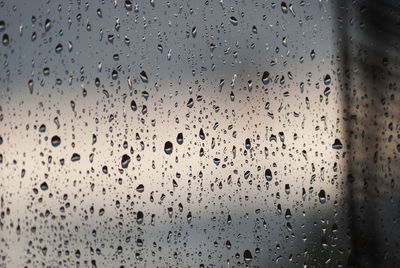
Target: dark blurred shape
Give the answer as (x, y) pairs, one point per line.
(368, 46)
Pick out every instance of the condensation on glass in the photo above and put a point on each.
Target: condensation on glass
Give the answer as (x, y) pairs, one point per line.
(183, 134)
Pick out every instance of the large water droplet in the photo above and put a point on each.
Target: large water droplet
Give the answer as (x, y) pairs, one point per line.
(268, 174)
(44, 186)
(140, 188)
(47, 25)
(126, 159)
(265, 78)
(139, 217)
(337, 145)
(322, 196)
(144, 77)
(75, 157)
(55, 141)
(168, 147)
(59, 48)
(247, 256)
(327, 79)
(233, 20)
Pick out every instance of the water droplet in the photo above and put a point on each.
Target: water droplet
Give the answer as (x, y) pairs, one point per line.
(114, 74)
(248, 144)
(337, 145)
(322, 197)
(169, 54)
(284, 7)
(201, 134)
(133, 105)
(139, 217)
(327, 79)
(194, 31)
(292, 10)
(101, 212)
(232, 96)
(247, 256)
(288, 214)
(30, 86)
(44, 186)
(168, 147)
(190, 103)
(140, 188)
(75, 157)
(268, 174)
(144, 77)
(126, 159)
(6, 39)
(128, 5)
(327, 91)
(265, 78)
(59, 48)
(42, 128)
(221, 83)
(233, 20)
(179, 138)
(287, 188)
(312, 54)
(47, 24)
(33, 37)
(249, 85)
(55, 141)
(284, 41)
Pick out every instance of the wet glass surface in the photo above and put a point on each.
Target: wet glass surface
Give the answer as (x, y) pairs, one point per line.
(198, 134)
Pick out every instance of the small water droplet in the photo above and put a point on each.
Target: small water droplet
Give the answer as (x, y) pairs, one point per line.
(6, 39)
(194, 31)
(312, 54)
(179, 138)
(30, 86)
